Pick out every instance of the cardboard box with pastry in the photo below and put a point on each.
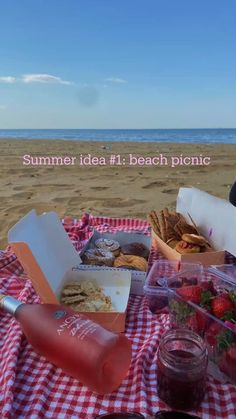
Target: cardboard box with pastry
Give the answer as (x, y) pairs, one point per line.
(178, 237)
(120, 251)
(54, 267)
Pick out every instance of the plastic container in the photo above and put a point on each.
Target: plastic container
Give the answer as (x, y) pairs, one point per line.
(227, 272)
(155, 284)
(219, 334)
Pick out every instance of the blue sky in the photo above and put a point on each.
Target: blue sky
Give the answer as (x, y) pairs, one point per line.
(117, 63)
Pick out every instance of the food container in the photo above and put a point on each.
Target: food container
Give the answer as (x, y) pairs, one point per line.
(215, 219)
(123, 238)
(155, 284)
(204, 317)
(226, 271)
(50, 260)
(206, 258)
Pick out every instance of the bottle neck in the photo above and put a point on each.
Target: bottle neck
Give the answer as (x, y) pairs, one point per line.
(9, 304)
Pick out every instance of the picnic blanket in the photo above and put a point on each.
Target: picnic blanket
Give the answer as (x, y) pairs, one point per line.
(31, 387)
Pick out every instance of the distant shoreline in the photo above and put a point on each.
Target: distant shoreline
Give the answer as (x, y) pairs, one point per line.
(173, 136)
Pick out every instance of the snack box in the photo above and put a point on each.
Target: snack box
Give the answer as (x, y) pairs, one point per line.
(206, 258)
(207, 212)
(137, 277)
(159, 275)
(50, 260)
(219, 335)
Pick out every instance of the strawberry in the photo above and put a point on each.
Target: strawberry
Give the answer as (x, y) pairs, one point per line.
(228, 362)
(191, 322)
(190, 293)
(221, 305)
(213, 330)
(202, 320)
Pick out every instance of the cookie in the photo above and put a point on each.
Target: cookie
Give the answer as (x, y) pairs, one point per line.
(135, 248)
(107, 245)
(137, 262)
(194, 239)
(184, 247)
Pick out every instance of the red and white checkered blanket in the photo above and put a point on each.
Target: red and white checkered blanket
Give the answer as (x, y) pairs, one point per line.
(30, 387)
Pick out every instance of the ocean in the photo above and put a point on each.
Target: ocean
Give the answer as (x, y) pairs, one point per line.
(201, 136)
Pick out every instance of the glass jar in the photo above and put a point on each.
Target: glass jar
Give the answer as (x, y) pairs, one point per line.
(182, 368)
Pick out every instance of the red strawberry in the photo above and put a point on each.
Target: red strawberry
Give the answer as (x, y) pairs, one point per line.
(228, 362)
(192, 323)
(197, 322)
(220, 305)
(190, 293)
(212, 332)
(202, 320)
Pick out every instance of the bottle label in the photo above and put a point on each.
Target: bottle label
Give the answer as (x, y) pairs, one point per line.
(59, 314)
(77, 326)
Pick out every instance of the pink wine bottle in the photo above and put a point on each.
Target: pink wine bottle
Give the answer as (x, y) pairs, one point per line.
(85, 350)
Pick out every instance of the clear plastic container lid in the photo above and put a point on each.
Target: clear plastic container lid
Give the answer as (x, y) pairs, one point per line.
(227, 272)
(162, 270)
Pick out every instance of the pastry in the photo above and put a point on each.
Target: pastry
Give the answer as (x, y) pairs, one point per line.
(98, 257)
(137, 262)
(172, 242)
(195, 239)
(135, 248)
(108, 245)
(184, 247)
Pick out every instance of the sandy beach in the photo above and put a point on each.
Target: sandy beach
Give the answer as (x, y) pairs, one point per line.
(73, 182)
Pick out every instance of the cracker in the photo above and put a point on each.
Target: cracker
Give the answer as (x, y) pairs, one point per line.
(162, 226)
(85, 296)
(154, 222)
(73, 299)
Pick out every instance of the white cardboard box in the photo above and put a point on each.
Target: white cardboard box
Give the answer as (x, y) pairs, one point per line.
(137, 277)
(50, 260)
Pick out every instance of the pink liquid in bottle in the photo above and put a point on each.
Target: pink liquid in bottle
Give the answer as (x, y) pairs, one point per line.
(85, 350)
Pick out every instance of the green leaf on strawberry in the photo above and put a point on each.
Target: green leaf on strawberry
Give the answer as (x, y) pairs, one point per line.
(225, 340)
(180, 310)
(232, 296)
(206, 297)
(228, 315)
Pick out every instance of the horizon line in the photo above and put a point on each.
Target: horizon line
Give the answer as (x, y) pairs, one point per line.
(118, 129)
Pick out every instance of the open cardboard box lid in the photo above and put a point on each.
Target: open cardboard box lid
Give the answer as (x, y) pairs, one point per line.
(215, 217)
(50, 260)
(44, 250)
